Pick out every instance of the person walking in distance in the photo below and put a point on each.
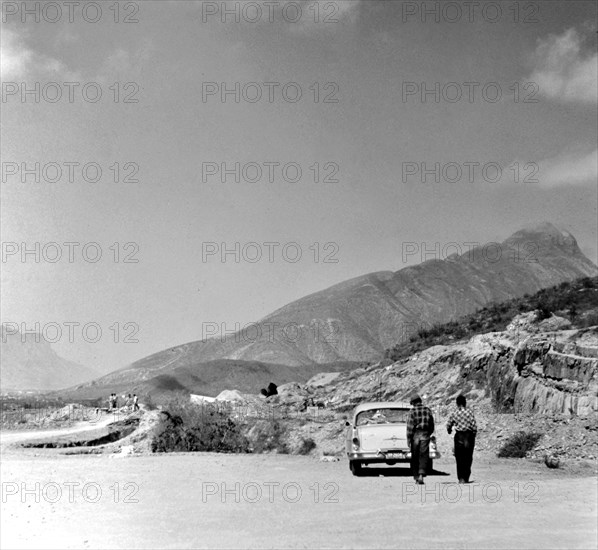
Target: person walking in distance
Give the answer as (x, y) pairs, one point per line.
(420, 426)
(466, 429)
(135, 402)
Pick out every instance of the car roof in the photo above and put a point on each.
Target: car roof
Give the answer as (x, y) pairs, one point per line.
(381, 405)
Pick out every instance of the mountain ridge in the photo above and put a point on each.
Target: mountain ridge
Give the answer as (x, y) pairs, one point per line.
(28, 362)
(357, 319)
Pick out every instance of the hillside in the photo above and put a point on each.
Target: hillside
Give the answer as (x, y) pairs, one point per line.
(204, 379)
(28, 362)
(537, 376)
(577, 301)
(358, 319)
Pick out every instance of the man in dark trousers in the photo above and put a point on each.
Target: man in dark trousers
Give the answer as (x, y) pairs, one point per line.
(420, 426)
(465, 426)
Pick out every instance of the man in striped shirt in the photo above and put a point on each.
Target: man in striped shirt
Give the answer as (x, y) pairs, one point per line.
(466, 429)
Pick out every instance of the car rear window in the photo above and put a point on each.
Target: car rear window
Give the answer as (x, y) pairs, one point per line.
(382, 416)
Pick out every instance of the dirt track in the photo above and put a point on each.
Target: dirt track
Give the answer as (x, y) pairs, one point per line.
(11, 437)
(178, 501)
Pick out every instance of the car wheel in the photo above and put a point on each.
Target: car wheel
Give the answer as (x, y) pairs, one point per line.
(355, 467)
(430, 466)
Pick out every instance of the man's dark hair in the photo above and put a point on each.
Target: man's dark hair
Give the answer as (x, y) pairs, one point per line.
(461, 401)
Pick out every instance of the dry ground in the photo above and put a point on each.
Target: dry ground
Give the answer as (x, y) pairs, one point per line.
(206, 500)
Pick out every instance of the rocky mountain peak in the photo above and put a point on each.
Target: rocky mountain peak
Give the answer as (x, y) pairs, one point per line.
(546, 235)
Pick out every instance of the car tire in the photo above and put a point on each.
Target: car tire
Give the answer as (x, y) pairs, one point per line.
(355, 467)
(430, 466)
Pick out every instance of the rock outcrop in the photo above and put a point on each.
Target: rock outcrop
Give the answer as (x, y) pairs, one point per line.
(522, 369)
(557, 373)
(522, 379)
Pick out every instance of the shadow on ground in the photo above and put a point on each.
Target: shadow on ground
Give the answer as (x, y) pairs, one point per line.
(394, 471)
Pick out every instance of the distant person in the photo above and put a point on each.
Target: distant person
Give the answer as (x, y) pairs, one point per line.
(135, 402)
(128, 403)
(466, 429)
(420, 426)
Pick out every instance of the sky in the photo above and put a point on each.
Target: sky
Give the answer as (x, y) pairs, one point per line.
(243, 155)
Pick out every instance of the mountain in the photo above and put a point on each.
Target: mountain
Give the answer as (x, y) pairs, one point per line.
(358, 319)
(28, 362)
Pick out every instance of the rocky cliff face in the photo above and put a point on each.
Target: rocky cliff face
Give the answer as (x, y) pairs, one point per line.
(529, 368)
(557, 372)
(536, 376)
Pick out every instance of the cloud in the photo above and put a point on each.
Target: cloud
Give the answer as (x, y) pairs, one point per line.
(579, 168)
(19, 61)
(14, 59)
(569, 169)
(562, 72)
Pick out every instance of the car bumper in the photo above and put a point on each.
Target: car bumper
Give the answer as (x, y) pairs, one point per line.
(391, 455)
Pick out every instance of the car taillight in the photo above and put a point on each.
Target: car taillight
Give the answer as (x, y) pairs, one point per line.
(355, 443)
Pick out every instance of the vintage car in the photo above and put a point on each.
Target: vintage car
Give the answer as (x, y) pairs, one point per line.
(377, 434)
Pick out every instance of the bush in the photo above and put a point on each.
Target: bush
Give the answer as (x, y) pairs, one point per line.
(187, 427)
(269, 436)
(519, 444)
(544, 312)
(589, 320)
(307, 446)
(587, 282)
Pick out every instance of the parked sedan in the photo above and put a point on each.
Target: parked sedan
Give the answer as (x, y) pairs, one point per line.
(377, 433)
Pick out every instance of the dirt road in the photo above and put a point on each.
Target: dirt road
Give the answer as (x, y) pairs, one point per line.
(209, 500)
(16, 436)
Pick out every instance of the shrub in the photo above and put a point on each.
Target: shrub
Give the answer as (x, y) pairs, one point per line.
(307, 446)
(543, 312)
(187, 427)
(269, 436)
(587, 282)
(519, 444)
(589, 320)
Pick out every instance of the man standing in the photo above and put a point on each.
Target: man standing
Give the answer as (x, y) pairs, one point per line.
(465, 426)
(420, 426)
